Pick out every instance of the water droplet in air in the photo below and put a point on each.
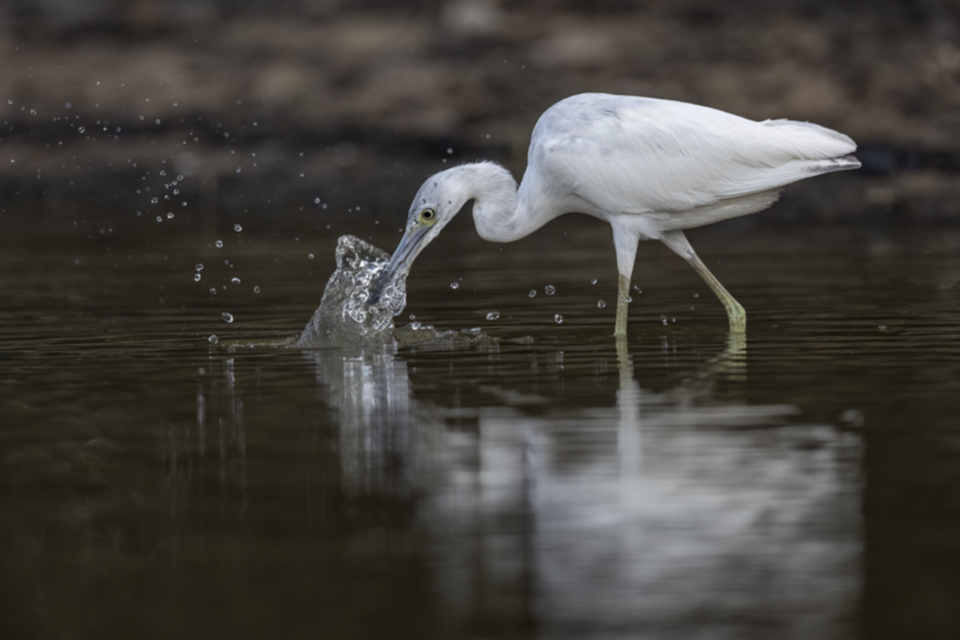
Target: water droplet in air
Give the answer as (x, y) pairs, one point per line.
(213, 291)
(533, 293)
(228, 317)
(239, 169)
(196, 277)
(454, 285)
(234, 280)
(157, 121)
(159, 219)
(601, 304)
(493, 315)
(256, 289)
(154, 200)
(213, 339)
(558, 318)
(593, 281)
(219, 244)
(415, 326)
(310, 255)
(81, 130)
(199, 267)
(316, 201)
(696, 295)
(179, 178)
(663, 319)
(170, 215)
(549, 289)
(237, 228)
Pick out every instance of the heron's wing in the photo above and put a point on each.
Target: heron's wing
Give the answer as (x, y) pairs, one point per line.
(635, 155)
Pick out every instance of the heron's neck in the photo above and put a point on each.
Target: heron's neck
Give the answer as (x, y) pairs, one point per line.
(499, 214)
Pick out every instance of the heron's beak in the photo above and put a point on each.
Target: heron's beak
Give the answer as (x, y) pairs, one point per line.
(399, 265)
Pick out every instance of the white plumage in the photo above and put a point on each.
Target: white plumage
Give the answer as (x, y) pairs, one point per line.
(651, 168)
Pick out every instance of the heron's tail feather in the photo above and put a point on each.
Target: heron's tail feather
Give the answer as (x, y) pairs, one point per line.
(810, 141)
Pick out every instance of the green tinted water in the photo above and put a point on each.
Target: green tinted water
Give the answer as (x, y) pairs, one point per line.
(530, 483)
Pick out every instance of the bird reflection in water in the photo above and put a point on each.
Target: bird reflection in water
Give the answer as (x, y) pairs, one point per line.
(676, 510)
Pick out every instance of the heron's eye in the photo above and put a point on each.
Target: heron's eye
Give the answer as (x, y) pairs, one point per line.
(428, 215)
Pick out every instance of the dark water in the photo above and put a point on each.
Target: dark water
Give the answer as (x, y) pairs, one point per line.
(533, 483)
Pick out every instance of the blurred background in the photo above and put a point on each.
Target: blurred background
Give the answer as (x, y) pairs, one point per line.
(315, 106)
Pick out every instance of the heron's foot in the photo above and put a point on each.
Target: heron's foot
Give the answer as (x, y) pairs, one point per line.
(738, 318)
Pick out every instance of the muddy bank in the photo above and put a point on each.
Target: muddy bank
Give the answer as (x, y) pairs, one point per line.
(263, 109)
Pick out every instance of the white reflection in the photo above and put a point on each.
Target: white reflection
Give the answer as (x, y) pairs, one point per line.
(675, 514)
(668, 514)
(369, 391)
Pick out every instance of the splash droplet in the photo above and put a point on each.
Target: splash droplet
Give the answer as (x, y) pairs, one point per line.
(213, 339)
(234, 280)
(558, 318)
(663, 319)
(454, 285)
(549, 289)
(593, 281)
(493, 315)
(601, 304)
(199, 266)
(227, 317)
(237, 228)
(310, 255)
(533, 293)
(219, 244)
(196, 277)
(256, 289)
(170, 215)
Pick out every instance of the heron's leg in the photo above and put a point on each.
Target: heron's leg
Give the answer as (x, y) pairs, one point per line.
(678, 242)
(625, 240)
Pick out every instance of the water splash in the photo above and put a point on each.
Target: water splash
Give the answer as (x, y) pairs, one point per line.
(344, 318)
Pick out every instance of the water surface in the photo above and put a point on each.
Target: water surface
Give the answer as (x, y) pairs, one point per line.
(530, 482)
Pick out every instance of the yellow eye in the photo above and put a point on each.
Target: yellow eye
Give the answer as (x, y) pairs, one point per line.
(428, 215)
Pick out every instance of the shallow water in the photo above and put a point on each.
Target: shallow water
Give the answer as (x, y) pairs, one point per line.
(531, 481)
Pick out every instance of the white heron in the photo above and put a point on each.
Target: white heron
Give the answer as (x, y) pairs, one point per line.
(649, 167)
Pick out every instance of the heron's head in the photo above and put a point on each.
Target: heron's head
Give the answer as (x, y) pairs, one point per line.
(439, 199)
